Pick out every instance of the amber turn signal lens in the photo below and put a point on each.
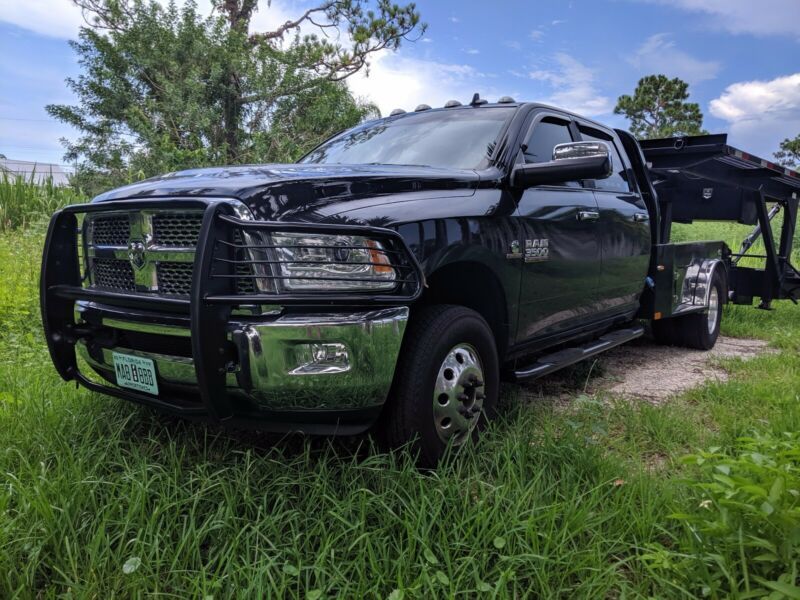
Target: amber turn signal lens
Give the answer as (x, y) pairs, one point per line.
(380, 262)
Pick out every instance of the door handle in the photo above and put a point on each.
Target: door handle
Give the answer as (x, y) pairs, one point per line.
(588, 215)
(640, 217)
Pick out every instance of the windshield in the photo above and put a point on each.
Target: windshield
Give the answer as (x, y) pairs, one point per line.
(459, 138)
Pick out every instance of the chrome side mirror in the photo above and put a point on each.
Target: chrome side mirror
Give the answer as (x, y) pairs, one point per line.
(575, 150)
(571, 162)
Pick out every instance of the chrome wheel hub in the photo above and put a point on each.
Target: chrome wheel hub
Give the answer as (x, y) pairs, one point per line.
(713, 310)
(458, 394)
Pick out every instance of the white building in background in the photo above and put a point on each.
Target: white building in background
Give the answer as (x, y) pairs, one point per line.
(40, 172)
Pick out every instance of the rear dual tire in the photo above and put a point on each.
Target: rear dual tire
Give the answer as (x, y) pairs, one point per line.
(698, 330)
(446, 383)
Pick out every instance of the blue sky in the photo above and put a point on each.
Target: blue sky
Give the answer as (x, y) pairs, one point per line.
(739, 56)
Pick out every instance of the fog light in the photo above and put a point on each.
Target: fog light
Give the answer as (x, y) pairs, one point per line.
(317, 359)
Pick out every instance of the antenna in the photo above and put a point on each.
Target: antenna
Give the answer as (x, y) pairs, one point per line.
(477, 100)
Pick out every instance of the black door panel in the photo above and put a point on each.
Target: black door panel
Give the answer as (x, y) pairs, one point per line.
(624, 230)
(558, 288)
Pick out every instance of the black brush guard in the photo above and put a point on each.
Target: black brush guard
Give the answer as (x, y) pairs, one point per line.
(213, 294)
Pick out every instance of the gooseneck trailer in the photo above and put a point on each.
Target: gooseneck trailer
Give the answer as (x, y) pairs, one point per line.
(703, 178)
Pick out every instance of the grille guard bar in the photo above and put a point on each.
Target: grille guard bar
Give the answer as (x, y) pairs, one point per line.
(209, 304)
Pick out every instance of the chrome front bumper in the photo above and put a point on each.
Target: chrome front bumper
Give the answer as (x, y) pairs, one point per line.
(287, 363)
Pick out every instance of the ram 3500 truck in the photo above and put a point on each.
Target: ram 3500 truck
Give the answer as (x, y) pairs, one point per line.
(400, 270)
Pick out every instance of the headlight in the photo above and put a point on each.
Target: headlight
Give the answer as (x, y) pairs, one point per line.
(332, 262)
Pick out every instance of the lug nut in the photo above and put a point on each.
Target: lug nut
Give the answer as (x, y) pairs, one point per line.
(463, 398)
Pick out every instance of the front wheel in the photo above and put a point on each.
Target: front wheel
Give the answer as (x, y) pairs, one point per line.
(445, 385)
(697, 330)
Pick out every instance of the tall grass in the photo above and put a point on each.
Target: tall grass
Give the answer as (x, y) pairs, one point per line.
(100, 498)
(24, 201)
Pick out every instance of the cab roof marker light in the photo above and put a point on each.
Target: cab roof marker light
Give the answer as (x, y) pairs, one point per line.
(422, 107)
(506, 100)
(452, 104)
(397, 111)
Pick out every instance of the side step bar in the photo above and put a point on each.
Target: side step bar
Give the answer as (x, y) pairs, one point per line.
(563, 358)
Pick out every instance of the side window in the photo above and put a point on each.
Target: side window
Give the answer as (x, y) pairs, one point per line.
(547, 133)
(618, 181)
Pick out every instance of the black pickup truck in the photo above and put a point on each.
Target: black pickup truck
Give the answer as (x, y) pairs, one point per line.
(400, 270)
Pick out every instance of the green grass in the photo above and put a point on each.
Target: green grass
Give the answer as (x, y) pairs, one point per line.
(100, 498)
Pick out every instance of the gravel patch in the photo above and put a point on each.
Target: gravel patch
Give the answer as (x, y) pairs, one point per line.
(644, 370)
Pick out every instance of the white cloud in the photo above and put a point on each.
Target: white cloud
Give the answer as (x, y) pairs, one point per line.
(455, 20)
(760, 114)
(659, 54)
(536, 35)
(62, 19)
(513, 44)
(55, 18)
(472, 51)
(557, 22)
(573, 86)
(395, 81)
(758, 17)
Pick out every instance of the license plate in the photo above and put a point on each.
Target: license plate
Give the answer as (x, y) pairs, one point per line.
(136, 373)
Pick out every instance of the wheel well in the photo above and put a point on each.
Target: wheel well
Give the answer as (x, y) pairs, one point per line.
(474, 286)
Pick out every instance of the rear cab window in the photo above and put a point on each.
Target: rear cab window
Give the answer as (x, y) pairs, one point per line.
(619, 179)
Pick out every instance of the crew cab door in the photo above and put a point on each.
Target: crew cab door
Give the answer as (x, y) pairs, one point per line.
(624, 230)
(560, 252)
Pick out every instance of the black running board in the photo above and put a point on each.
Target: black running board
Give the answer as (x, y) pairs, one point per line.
(569, 356)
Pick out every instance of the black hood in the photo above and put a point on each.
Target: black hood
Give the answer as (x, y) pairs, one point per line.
(305, 192)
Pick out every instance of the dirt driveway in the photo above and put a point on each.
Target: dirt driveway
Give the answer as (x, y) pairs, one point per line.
(644, 370)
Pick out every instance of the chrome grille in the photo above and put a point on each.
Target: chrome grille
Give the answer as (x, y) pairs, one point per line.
(180, 230)
(110, 273)
(174, 279)
(110, 230)
(149, 251)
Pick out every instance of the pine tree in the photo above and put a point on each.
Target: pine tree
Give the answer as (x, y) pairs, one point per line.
(658, 108)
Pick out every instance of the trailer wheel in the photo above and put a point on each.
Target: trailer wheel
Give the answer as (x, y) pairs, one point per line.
(446, 383)
(697, 330)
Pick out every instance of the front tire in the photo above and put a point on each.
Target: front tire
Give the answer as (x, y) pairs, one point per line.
(698, 330)
(446, 383)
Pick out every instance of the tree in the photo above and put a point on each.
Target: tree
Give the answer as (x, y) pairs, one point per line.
(165, 88)
(658, 109)
(789, 153)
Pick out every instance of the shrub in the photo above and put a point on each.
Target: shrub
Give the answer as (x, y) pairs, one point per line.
(741, 538)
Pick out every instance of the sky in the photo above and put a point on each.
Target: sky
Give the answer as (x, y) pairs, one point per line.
(740, 57)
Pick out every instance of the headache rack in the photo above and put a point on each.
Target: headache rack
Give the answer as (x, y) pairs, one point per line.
(703, 178)
(232, 265)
